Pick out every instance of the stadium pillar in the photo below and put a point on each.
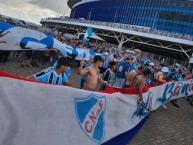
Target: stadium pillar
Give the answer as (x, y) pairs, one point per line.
(121, 42)
(120, 46)
(191, 59)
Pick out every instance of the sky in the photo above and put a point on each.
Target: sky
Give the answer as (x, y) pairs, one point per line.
(34, 10)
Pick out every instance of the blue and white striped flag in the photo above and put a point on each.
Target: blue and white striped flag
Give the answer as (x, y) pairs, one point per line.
(88, 33)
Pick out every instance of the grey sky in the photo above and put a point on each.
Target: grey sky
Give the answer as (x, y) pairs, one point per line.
(33, 10)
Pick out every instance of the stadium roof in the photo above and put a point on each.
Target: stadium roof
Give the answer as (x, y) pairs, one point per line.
(166, 45)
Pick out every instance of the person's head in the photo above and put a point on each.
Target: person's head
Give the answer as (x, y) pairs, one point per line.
(91, 59)
(162, 65)
(62, 53)
(109, 50)
(140, 70)
(113, 65)
(63, 64)
(98, 60)
(129, 60)
(146, 71)
(183, 75)
(165, 70)
(151, 64)
(180, 69)
(189, 70)
(173, 71)
(63, 40)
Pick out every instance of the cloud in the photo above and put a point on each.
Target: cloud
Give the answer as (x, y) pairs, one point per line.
(32, 10)
(59, 6)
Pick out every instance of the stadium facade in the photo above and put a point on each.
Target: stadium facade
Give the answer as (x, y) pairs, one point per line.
(166, 15)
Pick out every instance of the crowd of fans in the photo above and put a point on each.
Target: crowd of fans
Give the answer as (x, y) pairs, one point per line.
(128, 27)
(118, 69)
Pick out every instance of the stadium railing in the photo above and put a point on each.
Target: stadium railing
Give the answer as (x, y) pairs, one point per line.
(128, 27)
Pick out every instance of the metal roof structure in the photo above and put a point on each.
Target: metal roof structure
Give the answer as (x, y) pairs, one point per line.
(121, 34)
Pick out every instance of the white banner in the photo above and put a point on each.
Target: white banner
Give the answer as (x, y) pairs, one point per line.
(42, 114)
(18, 38)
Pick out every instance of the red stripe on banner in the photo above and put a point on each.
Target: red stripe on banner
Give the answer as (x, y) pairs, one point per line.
(111, 90)
(5, 74)
(108, 89)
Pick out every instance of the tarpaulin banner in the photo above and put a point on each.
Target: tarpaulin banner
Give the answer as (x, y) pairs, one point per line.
(33, 113)
(19, 38)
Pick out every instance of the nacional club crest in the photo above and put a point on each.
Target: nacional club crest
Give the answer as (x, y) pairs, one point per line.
(90, 114)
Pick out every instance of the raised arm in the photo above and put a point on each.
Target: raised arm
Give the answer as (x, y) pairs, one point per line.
(136, 57)
(82, 71)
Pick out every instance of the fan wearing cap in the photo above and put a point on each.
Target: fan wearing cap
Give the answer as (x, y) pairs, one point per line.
(151, 64)
(159, 76)
(67, 73)
(63, 53)
(92, 74)
(53, 75)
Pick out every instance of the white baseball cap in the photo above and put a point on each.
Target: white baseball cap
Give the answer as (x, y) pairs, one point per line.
(151, 64)
(165, 69)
